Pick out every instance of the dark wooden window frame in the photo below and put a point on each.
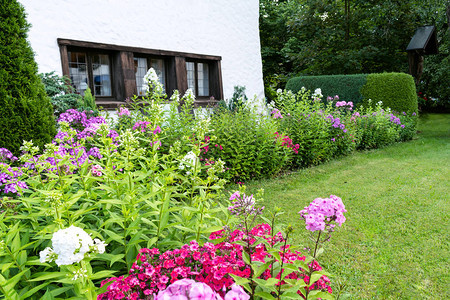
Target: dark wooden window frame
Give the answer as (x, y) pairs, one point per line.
(149, 59)
(196, 62)
(123, 81)
(89, 54)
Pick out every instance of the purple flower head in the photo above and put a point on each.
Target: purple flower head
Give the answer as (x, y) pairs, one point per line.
(243, 205)
(185, 289)
(276, 114)
(5, 155)
(141, 126)
(322, 211)
(236, 293)
(123, 111)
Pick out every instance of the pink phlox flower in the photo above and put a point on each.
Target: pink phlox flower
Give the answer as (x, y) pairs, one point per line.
(236, 293)
(123, 111)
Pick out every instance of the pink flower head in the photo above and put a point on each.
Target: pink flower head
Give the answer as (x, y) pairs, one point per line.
(236, 293)
(96, 170)
(123, 111)
(322, 211)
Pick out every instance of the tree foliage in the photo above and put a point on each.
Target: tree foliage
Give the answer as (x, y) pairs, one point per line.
(324, 37)
(25, 110)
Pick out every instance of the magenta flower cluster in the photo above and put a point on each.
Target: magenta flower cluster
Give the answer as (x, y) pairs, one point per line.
(144, 126)
(211, 264)
(287, 142)
(322, 211)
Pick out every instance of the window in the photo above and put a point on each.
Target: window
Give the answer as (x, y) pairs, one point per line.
(92, 70)
(141, 66)
(114, 73)
(198, 78)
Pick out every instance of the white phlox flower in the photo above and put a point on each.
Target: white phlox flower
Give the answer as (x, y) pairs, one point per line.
(317, 93)
(70, 246)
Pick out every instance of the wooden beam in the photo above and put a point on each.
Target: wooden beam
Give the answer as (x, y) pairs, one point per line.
(67, 42)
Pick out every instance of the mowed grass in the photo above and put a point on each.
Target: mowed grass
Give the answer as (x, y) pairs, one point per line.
(395, 242)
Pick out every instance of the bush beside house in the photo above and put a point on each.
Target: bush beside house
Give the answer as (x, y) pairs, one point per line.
(25, 110)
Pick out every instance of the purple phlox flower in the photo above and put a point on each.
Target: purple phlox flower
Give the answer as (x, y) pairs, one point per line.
(157, 130)
(94, 152)
(321, 209)
(185, 289)
(236, 293)
(123, 111)
(141, 126)
(243, 205)
(276, 114)
(5, 155)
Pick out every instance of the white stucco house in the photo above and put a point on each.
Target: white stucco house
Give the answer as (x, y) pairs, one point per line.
(206, 45)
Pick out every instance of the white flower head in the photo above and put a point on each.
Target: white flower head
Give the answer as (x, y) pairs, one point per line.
(317, 93)
(324, 16)
(46, 255)
(100, 245)
(71, 244)
(279, 91)
(152, 81)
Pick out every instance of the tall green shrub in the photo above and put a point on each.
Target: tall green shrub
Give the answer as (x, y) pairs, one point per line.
(396, 90)
(25, 110)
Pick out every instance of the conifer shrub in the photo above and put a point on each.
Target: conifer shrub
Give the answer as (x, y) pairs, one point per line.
(25, 110)
(395, 90)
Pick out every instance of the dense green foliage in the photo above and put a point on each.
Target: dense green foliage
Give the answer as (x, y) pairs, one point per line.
(249, 144)
(60, 91)
(323, 37)
(396, 90)
(347, 87)
(25, 110)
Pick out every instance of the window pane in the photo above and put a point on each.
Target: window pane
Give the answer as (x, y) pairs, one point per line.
(78, 71)
(203, 79)
(140, 67)
(101, 74)
(158, 65)
(190, 67)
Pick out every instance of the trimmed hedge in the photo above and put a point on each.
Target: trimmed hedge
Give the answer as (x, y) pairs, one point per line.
(25, 110)
(395, 90)
(347, 87)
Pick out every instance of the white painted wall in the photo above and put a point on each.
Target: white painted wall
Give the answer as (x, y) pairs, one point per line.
(227, 28)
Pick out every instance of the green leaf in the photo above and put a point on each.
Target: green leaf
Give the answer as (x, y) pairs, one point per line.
(265, 295)
(258, 270)
(102, 274)
(239, 280)
(47, 275)
(246, 257)
(34, 290)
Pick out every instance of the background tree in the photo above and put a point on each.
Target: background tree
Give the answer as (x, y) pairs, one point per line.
(25, 110)
(319, 37)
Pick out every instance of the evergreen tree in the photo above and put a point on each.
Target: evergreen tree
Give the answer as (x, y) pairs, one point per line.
(25, 110)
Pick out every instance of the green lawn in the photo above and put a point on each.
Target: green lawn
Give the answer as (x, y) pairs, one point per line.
(395, 243)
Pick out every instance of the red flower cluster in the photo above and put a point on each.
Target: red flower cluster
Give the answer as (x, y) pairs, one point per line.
(154, 271)
(287, 142)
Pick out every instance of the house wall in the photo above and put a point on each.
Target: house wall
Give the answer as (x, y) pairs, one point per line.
(226, 28)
